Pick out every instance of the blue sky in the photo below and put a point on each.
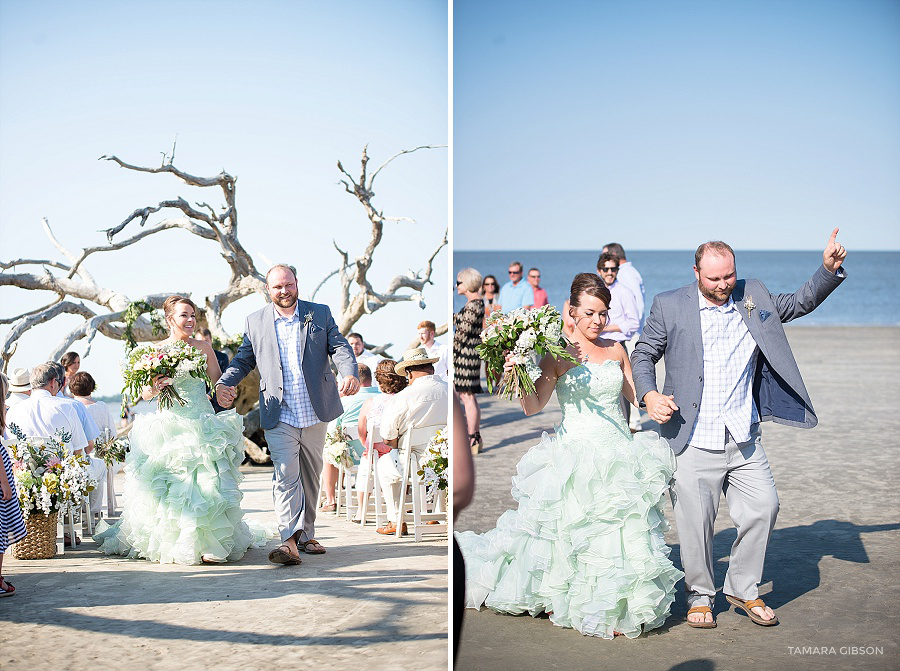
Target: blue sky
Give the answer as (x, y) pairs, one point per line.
(662, 124)
(275, 92)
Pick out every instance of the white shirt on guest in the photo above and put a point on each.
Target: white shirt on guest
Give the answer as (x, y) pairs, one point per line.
(631, 278)
(41, 414)
(441, 366)
(422, 403)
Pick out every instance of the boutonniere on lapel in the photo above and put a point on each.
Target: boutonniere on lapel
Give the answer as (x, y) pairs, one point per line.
(307, 319)
(749, 305)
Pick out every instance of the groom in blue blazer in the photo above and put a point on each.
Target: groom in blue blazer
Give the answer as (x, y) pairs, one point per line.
(728, 367)
(292, 343)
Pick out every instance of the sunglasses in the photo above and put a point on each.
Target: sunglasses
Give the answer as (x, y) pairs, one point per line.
(515, 272)
(458, 282)
(609, 270)
(489, 284)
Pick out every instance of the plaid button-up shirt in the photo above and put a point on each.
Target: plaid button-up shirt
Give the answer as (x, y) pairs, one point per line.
(296, 406)
(729, 361)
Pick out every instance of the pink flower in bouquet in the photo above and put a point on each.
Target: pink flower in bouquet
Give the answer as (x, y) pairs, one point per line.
(53, 461)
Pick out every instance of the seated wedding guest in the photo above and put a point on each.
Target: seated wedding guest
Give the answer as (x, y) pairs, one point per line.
(369, 418)
(422, 403)
(426, 332)
(44, 412)
(349, 417)
(12, 526)
(70, 362)
(490, 289)
(19, 385)
(82, 385)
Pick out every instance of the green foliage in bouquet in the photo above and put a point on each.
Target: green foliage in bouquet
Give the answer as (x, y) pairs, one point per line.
(528, 335)
(146, 362)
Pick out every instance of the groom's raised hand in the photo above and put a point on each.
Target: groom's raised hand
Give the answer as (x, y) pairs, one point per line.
(225, 395)
(834, 253)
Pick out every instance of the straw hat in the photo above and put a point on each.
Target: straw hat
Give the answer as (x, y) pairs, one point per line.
(414, 357)
(20, 380)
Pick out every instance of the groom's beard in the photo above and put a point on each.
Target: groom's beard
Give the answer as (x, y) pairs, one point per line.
(714, 295)
(286, 301)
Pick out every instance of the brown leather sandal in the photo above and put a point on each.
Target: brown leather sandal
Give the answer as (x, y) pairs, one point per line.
(701, 625)
(747, 607)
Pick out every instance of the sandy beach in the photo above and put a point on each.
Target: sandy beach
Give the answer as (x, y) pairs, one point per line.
(832, 563)
(369, 602)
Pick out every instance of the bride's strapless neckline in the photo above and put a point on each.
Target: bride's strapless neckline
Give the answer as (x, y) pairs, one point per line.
(585, 363)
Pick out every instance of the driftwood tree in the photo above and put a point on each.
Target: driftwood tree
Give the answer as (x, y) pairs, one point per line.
(116, 315)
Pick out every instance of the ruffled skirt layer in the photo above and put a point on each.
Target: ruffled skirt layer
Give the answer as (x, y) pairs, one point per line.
(182, 498)
(586, 542)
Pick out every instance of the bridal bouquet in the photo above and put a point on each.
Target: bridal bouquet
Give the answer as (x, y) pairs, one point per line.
(110, 448)
(527, 335)
(337, 448)
(146, 362)
(434, 468)
(48, 478)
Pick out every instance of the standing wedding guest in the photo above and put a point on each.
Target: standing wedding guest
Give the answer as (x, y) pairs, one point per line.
(361, 353)
(516, 293)
(12, 526)
(70, 362)
(426, 331)
(540, 295)
(349, 418)
(491, 290)
(729, 367)
(422, 403)
(466, 362)
(629, 277)
(19, 386)
(293, 344)
(82, 386)
(370, 418)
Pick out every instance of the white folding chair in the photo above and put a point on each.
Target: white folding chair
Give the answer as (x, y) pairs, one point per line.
(373, 436)
(344, 477)
(409, 442)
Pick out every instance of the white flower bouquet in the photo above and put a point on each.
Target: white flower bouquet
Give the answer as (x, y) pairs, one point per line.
(337, 448)
(146, 362)
(111, 449)
(434, 468)
(48, 478)
(528, 335)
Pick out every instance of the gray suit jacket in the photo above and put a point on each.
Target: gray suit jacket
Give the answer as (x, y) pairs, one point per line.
(320, 340)
(673, 330)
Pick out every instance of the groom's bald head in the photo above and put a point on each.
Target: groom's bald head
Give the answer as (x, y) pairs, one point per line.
(282, 266)
(716, 247)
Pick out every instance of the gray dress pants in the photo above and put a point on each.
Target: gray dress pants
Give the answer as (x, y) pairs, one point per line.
(297, 456)
(742, 472)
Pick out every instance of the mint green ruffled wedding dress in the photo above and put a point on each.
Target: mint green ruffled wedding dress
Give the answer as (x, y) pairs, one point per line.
(586, 542)
(181, 497)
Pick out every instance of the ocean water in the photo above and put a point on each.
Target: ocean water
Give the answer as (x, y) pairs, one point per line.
(869, 296)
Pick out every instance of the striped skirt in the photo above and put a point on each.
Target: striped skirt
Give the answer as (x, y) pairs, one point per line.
(12, 526)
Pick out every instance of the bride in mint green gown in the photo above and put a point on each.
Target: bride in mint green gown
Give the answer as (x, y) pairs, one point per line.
(585, 544)
(182, 501)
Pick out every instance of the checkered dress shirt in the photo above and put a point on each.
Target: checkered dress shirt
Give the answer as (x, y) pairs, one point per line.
(296, 406)
(729, 361)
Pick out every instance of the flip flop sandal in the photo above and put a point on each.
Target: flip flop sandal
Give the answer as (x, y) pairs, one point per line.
(282, 555)
(703, 610)
(316, 548)
(328, 508)
(746, 606)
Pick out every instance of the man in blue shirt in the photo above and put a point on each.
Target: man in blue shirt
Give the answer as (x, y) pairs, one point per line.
(515, 293)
